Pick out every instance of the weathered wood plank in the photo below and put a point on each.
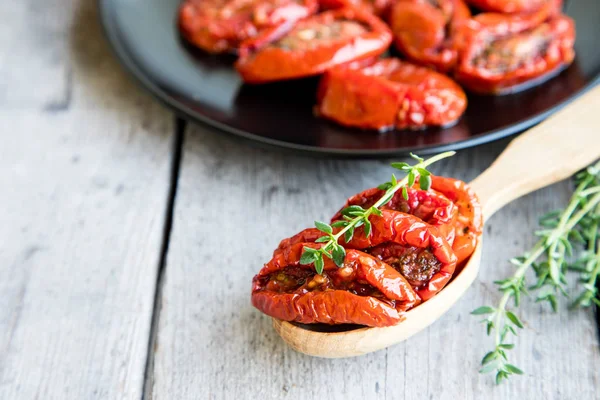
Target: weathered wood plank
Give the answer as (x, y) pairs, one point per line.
(34, 62)
(85, 170)
(233, 205)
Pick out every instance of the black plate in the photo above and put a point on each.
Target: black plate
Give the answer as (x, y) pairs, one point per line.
(207, 89)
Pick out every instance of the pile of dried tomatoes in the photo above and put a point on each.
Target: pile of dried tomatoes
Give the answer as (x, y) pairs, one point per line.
(508, 46)
(412, 251)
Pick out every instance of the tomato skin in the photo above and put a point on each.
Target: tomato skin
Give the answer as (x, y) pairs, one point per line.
(219, 26)
(333, 305)
(388, 94)
(558, 31)
(308, 235)
(377, 7)
(450, 205)
(408, 230)
(428, 205)
(402, 229)
(501, 24)
(261, 61)
(468, 223)
(426, 34)
(353, 99)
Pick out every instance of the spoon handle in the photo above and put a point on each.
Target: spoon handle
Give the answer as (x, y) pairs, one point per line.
(552, 151)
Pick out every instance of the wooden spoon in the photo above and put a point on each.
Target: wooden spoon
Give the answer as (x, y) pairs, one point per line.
(548, 153)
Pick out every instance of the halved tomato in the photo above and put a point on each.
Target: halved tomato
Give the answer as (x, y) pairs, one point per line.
(312, 46)
(425, 30)
(390, 93)
(218, 26)
(504, 53)
(364, 290)
(377, 7)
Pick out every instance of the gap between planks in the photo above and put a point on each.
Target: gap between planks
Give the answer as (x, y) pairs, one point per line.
(148, 381)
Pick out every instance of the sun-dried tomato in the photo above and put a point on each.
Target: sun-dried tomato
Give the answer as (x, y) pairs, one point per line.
(312, 46)
(468, 223)
(499, 23)
(450, 205)
(411, 245)
(390, 93)
(428, 205)
(425, 30)
(377, 7)
(218, 26)
(506, 53)
(417, 242)
(410, 254)
(363, 291)
(308, 235)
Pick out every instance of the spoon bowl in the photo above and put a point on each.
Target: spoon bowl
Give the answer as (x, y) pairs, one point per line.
(366, 340)
(548, 153)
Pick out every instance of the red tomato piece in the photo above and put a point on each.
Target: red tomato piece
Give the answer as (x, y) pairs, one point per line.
(308, 235)
(377, 7)
(416, 249)
(363, 291)
(312, 46)
(425, 30)
(468, 222)
(504, 54)
(218, 26)
(390, 93)
(450, 205)
(502, 24)
(428, 205)
(405, 242)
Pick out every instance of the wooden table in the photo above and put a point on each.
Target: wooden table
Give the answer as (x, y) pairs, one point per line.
(128, 240)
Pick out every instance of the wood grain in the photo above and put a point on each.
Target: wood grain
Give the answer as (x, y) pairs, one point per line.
(84, 166)
(233, 205)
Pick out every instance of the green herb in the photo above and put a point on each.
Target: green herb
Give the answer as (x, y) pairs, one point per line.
(356, 216)
(550, 258)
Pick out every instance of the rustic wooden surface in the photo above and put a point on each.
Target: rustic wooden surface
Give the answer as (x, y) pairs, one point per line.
(85, 165)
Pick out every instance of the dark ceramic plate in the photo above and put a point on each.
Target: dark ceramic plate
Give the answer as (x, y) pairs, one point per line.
(207, 89)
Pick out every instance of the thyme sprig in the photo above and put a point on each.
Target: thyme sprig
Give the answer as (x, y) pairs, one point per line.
(356, 216)
(550, 259)
(589, 264)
